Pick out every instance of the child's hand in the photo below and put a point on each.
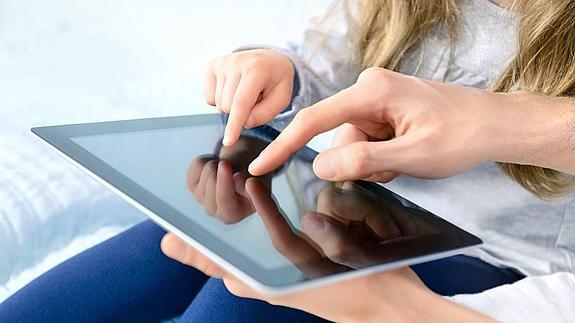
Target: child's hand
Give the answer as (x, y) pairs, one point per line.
(252, 86)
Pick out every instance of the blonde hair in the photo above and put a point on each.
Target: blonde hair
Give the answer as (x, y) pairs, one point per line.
(544, 62)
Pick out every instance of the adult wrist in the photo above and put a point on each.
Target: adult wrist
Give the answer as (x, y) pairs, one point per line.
(513, 129)
(529, 128)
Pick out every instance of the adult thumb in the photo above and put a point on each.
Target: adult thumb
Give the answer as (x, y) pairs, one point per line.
(357, 160)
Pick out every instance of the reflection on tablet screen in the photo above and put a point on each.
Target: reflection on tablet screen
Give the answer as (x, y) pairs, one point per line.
(287, 220)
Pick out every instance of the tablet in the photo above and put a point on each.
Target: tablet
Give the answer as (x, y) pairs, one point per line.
(279, 233)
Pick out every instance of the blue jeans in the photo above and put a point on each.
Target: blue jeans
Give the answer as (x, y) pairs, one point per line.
(128, 279)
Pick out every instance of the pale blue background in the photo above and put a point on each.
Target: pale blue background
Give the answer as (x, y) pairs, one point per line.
(71, 61)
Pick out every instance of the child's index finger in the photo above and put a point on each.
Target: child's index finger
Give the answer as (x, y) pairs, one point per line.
(244, 100)
(236, 122)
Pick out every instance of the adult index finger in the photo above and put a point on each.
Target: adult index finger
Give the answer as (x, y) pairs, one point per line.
(318, 118)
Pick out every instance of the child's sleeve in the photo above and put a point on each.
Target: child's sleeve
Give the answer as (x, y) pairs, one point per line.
(325, 61)
(548, 298)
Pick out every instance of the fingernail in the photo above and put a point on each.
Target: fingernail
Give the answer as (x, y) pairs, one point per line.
(313, 224)
(323, 167)
(227, 141)
(221, 166)
(254, 165)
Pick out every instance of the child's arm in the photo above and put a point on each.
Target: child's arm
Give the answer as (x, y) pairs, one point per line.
(323, 63)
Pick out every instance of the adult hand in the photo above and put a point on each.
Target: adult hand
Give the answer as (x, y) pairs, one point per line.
(253, 86)
(394, 124)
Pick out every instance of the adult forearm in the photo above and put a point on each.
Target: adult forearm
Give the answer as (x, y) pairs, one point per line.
(534, 130)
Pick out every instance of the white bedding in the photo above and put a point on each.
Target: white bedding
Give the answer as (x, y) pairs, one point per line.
(67, 61)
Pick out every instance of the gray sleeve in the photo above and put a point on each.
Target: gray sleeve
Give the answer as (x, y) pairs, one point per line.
(325, 61)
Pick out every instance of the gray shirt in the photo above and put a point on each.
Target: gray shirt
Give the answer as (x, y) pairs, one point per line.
(519, 230)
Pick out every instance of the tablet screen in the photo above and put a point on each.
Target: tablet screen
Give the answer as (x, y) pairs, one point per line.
(281, 228)
(166, 162)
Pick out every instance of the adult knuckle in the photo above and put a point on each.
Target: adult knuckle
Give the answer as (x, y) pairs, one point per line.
(255, 119)
(380, 83)
(371, 73)
(360, 157)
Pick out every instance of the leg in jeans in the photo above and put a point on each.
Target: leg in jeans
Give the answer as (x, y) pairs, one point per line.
(124, 279)
(215, 304)
(128, 279)
(463, 275)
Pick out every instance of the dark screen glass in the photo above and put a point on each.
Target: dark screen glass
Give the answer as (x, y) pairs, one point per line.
(280, 228)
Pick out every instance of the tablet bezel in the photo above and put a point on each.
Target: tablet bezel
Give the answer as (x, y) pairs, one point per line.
(451, 242)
